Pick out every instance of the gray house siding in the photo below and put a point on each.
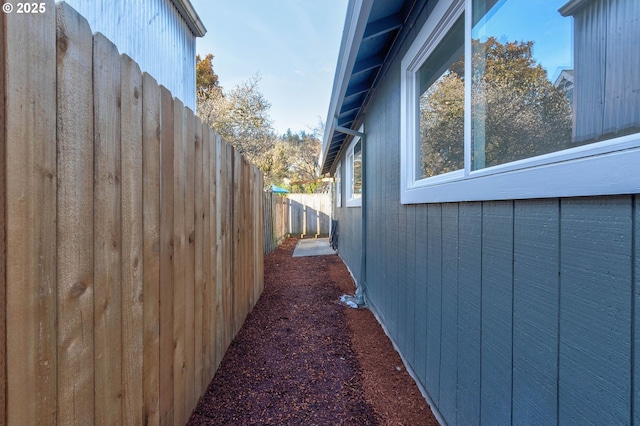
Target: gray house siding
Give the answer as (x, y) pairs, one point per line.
(349, 233)
(518, 311)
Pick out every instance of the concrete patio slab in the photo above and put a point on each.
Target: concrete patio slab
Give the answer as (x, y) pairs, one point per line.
(313, 247)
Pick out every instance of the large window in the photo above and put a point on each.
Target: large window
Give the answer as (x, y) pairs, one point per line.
(505, 99)
(354, 173)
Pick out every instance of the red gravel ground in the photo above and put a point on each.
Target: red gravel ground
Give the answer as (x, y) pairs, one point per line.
(303, 358)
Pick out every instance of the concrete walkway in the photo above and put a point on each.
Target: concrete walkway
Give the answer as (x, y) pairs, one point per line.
(313, 247)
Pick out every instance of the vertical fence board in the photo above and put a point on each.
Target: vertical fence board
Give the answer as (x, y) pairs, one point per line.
(75, 221)
(3, 189)
(167, 254)
(30, 217)
(260, 230)
(227, 252)
(211, 251)
(151, 133)
(218, 168)
(179, 259)
(107, 225)
(236, 227)
(189, 215)
(132, 313)
(207, 299)
(199, 285)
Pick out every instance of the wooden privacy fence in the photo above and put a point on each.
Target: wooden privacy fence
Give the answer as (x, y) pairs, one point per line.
(309, 214)
(276, 220)
(131, 247)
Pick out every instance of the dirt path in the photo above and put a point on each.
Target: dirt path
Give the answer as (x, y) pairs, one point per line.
(303, 358)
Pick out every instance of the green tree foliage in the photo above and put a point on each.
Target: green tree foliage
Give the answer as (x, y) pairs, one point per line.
(207, 83)
(241, 117)
(516, 111)
(297, 160)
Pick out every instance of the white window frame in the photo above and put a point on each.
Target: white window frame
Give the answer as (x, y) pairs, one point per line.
(353, 200)
(338, 181)
(603, 168)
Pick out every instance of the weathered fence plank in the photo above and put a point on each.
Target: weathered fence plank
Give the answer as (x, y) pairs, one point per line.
(30, 131)
(199, 285)
(132, 265)
(219, 180)
(179, 258)
(167, 250)
(75, 221)
(189, 332)
(3, 249)
(151, 140)
(107, 232)
(207, 300)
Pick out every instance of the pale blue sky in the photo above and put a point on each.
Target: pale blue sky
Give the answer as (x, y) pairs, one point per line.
(293, 44)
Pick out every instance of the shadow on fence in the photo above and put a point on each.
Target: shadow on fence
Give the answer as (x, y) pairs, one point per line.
(132, 248)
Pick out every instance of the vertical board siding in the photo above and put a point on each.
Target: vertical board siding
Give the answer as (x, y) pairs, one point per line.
(497, 300)
(635, 338)
(524, 311)
(449, 338)
(125, 282)
(595, 310)
(535, 311)
(434, 299)
(469, 312)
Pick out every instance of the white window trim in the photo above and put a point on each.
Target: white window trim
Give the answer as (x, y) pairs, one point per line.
(605, 168)
(351, 201)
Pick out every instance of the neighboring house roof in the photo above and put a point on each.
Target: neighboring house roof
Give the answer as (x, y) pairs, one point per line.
(372, 35)
(190, 16)
(160, 35)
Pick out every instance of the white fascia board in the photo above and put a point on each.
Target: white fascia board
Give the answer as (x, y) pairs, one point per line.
(355, 23)
(190, 16)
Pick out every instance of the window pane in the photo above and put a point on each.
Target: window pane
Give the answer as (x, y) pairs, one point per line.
(528, 95)
(356, 189)
(441, 106)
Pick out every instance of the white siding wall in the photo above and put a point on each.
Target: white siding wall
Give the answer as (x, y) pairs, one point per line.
(154, 34)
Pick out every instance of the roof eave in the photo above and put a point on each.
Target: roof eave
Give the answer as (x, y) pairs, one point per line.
(352, 35)
(190, 16)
